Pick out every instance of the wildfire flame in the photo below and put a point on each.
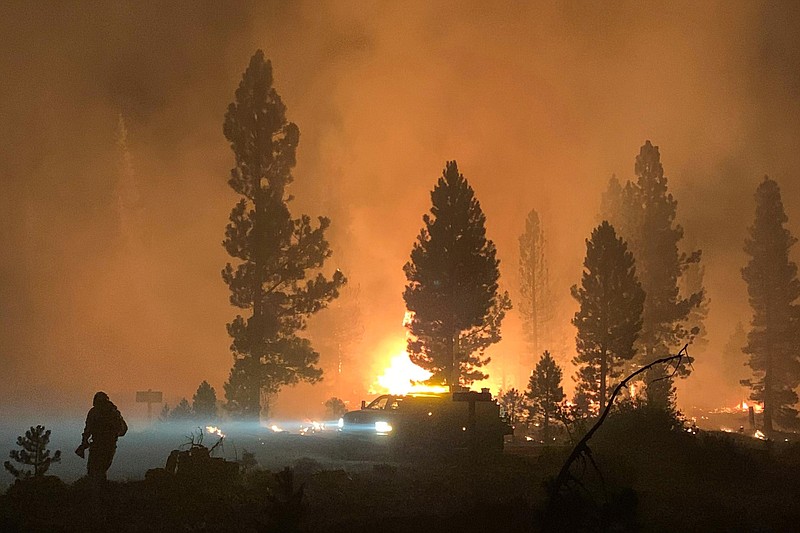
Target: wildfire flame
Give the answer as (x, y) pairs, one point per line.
(404, 377)
(312, 427)
(214, 430)
(741, 407)
(744, 406)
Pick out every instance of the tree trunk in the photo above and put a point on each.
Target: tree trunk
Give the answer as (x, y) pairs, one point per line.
(454, 370)
(534, 312)
(768, 406)
(603, 370)
(257, 331)
(36, 458)
(547, 425)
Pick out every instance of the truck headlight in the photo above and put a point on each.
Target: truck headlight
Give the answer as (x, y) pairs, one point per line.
(382, 427)
(340, 423)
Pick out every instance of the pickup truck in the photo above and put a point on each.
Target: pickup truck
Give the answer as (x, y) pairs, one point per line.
(427, 422)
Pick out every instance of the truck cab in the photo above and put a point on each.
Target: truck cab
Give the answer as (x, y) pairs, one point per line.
(425, 422)
(372, 420)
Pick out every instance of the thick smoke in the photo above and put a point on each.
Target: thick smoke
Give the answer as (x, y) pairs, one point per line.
(540, 104)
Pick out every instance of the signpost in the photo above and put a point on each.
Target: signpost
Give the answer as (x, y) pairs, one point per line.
(149, 397)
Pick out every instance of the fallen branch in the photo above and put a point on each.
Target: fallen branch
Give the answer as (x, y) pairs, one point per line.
(581, 450)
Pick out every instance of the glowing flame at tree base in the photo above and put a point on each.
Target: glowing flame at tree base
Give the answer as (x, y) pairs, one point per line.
(404, 377)
(744, 406)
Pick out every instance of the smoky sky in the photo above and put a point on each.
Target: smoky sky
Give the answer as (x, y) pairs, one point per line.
(540, 104)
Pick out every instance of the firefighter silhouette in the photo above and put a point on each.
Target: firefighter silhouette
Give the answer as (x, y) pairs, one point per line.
(104, 425)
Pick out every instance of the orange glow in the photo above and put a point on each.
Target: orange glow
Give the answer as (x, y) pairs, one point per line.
(741, 407)
(744, 406)
(147, 281)
(403, 377)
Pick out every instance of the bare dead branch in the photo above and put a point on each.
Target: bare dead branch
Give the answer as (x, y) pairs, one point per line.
(678, 364)
(582, 449)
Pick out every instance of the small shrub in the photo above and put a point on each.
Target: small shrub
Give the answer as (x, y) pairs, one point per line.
(33, 453)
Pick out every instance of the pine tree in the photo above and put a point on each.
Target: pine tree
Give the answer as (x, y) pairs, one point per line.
(475, 341)
(692, 283)
(337, 334)
(610, 314)
(275, 251)
(535, 303)
(544, 390)
(33, 453)
(204, 402)
(733, 357)
(620, 206)
(514, 404)
(164, 415)
(773, 288)
(581, 400)
(182, 411)
(452, 290)
(646, 220)
(334, 408)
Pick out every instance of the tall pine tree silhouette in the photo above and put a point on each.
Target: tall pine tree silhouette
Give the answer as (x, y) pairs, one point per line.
(644, 214)
(452, 290)
(772, 285)
(204, 402)
(536, 301)
(610, 315)
(275, 252)
(734, 360)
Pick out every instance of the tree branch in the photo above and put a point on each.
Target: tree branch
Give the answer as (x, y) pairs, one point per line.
(582, 448)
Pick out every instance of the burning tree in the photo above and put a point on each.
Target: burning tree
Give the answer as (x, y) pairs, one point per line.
(610, 314)
(452, 291)
(33, 453)
(545, 391)
(773, 288)
(644, 214)
(535, 303)
(274, 250)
